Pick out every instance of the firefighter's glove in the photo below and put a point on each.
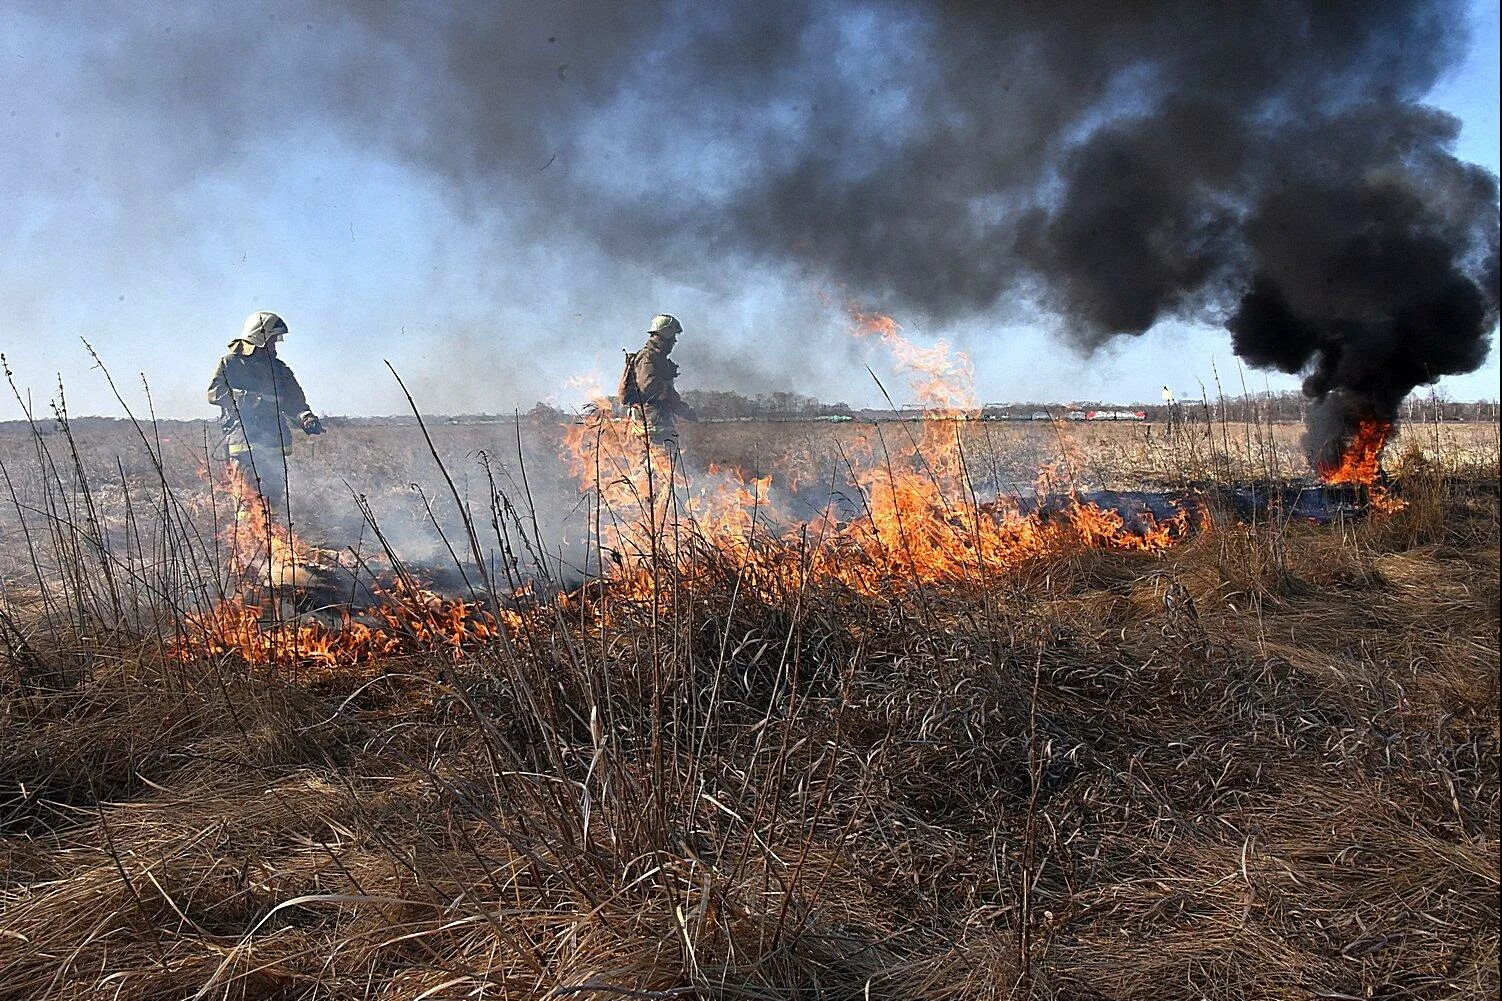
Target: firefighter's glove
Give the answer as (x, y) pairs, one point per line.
(311, 424)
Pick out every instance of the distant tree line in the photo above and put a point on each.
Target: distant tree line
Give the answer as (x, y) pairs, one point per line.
(1282, 407)
(1292, 407)
(729, 405)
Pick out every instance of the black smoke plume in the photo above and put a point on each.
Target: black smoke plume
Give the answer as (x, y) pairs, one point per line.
(1268, 166)
(1374, 278)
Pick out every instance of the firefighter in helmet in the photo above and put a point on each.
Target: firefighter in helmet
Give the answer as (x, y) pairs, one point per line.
(647, 384)
(259, 400)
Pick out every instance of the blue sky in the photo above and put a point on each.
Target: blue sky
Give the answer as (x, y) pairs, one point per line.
(371, 260)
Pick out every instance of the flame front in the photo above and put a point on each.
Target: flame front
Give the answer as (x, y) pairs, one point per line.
(420, 623)
(919, 523)
(265, 561)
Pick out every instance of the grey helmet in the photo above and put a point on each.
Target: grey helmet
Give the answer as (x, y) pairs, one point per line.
(262, 328)
(667, 326)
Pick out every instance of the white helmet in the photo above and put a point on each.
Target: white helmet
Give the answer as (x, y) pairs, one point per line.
(666, 325)
(262, 328)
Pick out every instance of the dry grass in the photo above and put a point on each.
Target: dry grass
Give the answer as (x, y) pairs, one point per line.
(1262, 765)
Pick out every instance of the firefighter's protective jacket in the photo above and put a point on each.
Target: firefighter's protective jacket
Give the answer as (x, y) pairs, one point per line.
(655, 373)
(257, 394)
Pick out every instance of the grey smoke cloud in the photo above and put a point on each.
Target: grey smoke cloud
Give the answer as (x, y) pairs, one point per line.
(1263, 165)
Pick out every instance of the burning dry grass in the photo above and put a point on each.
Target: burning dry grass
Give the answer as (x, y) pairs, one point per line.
(920, 746)
(1260, 764)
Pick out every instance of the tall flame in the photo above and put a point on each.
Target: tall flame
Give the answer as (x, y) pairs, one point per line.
(259, 547)
(1359, 462)
(940, 378)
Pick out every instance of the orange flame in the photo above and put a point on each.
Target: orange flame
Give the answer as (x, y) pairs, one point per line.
(941, 379)
(920, 524)
(401, 623)
(266, 561)
(259, 547)
(1358, 465)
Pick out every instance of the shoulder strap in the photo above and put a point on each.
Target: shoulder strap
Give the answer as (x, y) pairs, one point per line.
(627, 392)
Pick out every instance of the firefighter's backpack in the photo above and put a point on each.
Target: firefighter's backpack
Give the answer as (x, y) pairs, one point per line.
(628, 392)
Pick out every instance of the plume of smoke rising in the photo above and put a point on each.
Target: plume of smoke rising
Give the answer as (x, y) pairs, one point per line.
(1374, 278)
(1266, 165)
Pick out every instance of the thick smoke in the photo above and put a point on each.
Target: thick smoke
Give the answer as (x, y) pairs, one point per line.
(1374, 277)
(1268, 166)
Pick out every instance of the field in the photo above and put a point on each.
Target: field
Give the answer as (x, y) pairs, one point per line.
(929, 746)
